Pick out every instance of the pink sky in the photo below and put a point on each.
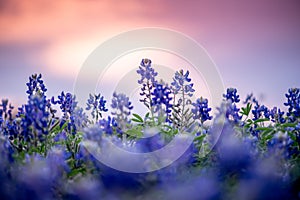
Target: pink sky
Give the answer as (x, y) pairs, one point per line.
(255, 44)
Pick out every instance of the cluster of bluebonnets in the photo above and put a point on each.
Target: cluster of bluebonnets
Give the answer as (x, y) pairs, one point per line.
(245, 151)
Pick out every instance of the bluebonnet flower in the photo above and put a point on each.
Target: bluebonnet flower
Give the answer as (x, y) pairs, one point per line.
(8, 184)
(204, 187)
(182, 89)
(35, 116)
(43, 177)
(109, 126)
(7, 124)
(6, 151)
(3, 106)
(152, 143)
(260, 111)
(283, 143)
(21, 111)
(234, 164)
(293, 103)
(67, 104)
(248, 98)
(78, 119)
(148, 82)
(233, 155)
(232, 95)
(201, 110)
(266, 175)
(11, 129)
(254, 132)
(277, 115)
(96, 103)
(122, 109)
(36, 85)
(93, 133)
(161, 100)
(61, 136)
(251, 99)
(230, 111)
(6, 110)
(255, 101)
(229, 107)
(181, 83)
(147, 72)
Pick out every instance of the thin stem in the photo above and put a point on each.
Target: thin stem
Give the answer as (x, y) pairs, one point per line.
(150, 101)
(183, 109)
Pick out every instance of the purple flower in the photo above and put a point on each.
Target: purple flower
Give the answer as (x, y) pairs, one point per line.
(108, 126)
(93, 133)
(36, 85)
(66, 101)
(36, 117)
(147, 72)
(78, 118)
(248, 98)
(229, 107)
(96, 103)
(293, 103)
(277, 115)
(161, 99)
(282, 143)
(232, 95)
(201, 110)
(75, 116)
(181, 83)
(259, 111)
(122, 109)
(182, 92)
(6, 109)
(148, 82)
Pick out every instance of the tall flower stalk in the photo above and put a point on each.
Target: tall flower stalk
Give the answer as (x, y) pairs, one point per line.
(161, 101)
(293, 104)
(183, 91)
(148, 83)
(121, 110)
(229, 105)
(96, 103)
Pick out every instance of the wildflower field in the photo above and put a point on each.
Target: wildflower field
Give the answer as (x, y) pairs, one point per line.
(245, 151)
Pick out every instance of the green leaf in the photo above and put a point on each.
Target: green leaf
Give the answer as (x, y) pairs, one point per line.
(264, 129)
(292, 136)
(249, 121)
(249, 107)
(167, 126)
(261, 120)
(147, 115)
(267, 133)
(137, 118)
(56, 128)
(200, 138)
(268, 137)
(246, 110)
(74, 172)
(243, 112)
(288, 125)
(136, 131)
(186, 112)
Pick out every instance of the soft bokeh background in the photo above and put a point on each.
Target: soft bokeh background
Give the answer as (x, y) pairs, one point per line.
(255, 44)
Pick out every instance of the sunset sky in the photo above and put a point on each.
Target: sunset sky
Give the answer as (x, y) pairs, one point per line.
(255, 44)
